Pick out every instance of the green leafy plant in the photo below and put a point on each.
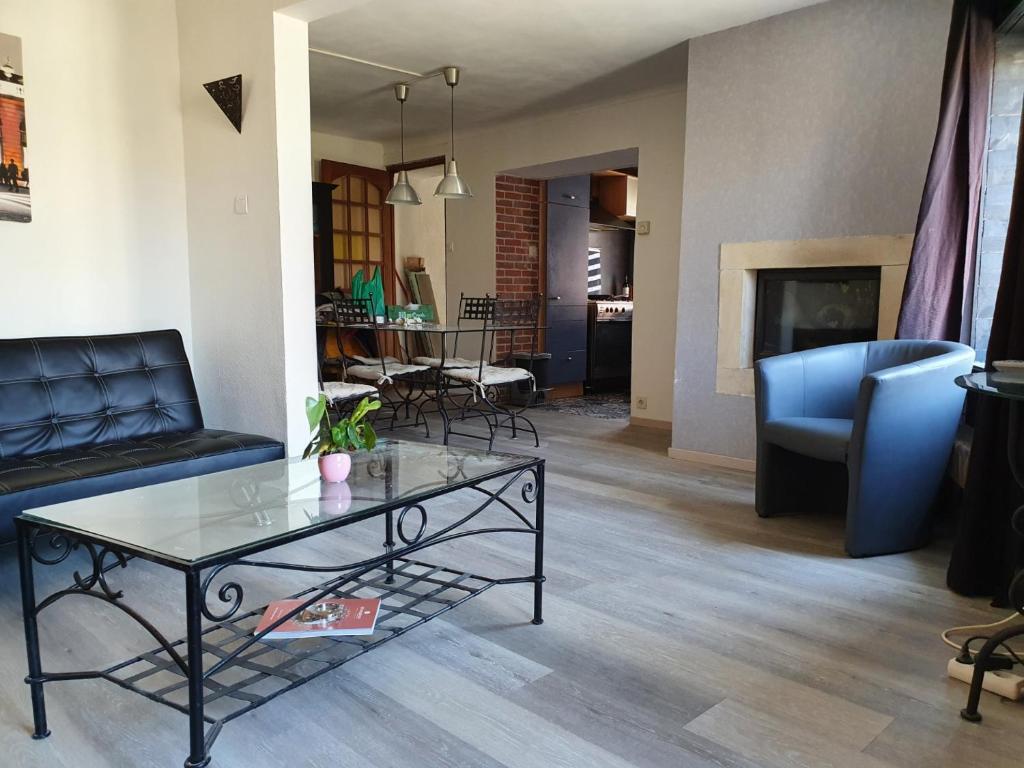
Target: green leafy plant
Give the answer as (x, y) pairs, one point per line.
(349, 434)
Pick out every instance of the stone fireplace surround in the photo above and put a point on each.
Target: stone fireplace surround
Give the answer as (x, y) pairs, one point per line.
(737, 290)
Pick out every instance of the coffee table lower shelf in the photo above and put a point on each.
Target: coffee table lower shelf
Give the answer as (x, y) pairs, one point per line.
(412, 594)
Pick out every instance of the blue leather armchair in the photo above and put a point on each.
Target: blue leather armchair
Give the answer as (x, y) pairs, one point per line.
(887, 410)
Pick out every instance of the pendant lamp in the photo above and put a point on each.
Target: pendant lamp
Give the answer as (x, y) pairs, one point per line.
(452, 186)
(402, 193)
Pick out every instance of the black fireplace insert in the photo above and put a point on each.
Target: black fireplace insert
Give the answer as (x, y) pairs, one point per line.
(814, 307)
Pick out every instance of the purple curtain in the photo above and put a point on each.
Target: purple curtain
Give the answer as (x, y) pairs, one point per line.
(939, 292)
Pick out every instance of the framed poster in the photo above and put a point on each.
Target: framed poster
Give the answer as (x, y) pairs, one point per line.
(15, 196)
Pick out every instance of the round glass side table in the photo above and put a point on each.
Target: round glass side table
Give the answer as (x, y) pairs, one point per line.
(988, 384)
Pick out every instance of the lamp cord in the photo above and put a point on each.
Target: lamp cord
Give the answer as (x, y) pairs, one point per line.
(401, 107)
(453, 121)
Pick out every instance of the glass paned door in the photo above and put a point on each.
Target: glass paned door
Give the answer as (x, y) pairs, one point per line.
(362, 224)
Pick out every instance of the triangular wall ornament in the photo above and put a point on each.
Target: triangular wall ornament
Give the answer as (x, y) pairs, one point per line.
(227, 92)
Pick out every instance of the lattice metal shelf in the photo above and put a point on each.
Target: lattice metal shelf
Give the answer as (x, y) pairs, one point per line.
(417, 593)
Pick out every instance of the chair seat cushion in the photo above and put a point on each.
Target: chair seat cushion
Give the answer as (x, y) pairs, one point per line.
(375, 373)
(490, 376)
(825, 439)
(449, 362)
(338, 391)
(78, 473)
(374, 360)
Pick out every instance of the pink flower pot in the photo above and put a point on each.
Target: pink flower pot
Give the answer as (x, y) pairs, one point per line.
(334, 467)
(335, 499)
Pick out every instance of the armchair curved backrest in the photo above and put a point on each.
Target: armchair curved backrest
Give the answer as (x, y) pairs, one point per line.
(826, 382)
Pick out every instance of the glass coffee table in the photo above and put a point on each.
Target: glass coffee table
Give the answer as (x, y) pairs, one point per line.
(213, 529)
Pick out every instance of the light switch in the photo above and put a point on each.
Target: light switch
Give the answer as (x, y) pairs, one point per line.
(643, 227)
(242, 204)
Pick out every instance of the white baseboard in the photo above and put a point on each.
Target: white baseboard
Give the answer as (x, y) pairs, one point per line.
(712, 459)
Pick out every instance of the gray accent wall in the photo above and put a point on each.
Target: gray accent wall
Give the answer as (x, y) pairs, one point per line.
(817, 123)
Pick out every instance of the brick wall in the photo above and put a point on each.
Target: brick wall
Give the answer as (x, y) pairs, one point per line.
(516, 245)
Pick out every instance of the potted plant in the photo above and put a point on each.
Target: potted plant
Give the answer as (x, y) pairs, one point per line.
(332, 443)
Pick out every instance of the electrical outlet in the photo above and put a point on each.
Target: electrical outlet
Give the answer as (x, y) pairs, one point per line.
(643, 227)
(641, 403)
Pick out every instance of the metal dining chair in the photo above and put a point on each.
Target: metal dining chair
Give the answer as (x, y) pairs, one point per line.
(384, 372)
(490, 383)
(473, 311)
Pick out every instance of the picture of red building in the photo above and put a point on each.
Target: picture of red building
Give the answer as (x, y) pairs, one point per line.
(15, 195)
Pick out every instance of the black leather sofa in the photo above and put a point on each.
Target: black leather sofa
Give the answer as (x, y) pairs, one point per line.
(86, 415)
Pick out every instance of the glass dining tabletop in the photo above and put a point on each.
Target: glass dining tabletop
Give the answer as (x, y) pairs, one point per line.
(438, 328)
(994, 384)
(198, 519)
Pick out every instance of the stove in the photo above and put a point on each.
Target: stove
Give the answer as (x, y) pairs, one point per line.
(609, 344)
(621, 311)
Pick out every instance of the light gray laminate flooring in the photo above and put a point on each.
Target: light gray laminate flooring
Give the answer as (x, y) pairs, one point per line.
(681, 630)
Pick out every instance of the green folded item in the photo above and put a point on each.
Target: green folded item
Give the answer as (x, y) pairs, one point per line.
(372, 290)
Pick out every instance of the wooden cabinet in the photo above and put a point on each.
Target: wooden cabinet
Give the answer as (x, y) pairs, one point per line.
(617, 195)
(568, 219)
(323, 239)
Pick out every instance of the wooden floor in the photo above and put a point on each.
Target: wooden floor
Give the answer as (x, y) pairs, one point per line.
(681, 630)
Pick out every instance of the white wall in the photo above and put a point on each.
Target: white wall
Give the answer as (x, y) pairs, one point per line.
(653, 122)
(343, 149)
(252, 275)
(419, 231)
(106, 250)
(817, 123)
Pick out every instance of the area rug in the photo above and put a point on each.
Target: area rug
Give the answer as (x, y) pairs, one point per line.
(609, 406)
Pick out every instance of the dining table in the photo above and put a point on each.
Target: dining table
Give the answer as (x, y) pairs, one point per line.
(441, 331)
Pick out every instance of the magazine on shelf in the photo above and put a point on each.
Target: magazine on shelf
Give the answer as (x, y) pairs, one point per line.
(330, 617)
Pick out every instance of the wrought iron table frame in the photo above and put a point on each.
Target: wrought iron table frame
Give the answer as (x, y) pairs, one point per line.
(1015, 456)
(391, 572)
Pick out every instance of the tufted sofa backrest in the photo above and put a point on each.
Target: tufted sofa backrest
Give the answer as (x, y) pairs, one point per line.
(65, 392)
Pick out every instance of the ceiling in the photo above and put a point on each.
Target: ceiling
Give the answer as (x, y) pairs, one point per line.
(517, 58)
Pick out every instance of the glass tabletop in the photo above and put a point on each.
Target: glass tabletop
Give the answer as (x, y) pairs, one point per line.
(994, 383)
(200, 518)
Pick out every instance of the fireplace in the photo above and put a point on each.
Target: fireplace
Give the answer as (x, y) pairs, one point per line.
(805, 308)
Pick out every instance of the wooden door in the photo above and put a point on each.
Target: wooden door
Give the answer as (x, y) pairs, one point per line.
(362, 223)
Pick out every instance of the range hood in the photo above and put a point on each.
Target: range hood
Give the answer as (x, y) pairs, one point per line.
(601, 218)
(615, 204)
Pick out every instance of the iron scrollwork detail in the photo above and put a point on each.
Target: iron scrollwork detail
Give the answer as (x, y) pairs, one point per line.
(59, 546)
(230, 593)
(401, 524)
(531, 487)
(98, 576)
(57, 542)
